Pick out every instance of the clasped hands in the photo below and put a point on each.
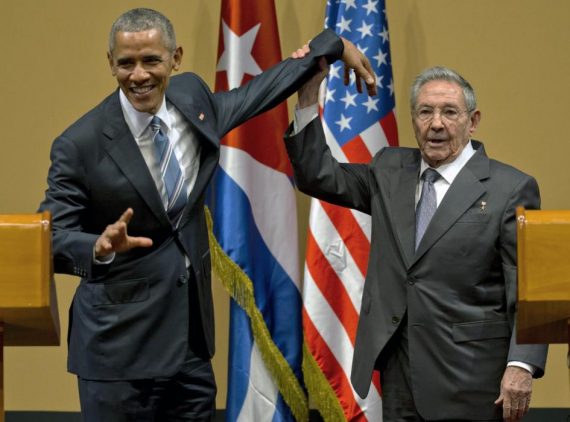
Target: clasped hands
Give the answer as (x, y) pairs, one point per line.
(353, 60)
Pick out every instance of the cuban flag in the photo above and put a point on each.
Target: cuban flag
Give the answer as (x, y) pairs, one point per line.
(253, 205)
(338, 241)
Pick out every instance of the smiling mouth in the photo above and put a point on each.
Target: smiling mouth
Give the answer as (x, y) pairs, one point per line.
(141, 90)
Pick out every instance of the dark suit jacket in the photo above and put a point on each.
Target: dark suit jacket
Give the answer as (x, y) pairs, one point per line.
(458, 288)
(135, 318)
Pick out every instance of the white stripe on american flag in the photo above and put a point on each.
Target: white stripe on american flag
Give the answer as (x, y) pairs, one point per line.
(335, 250)
(374, 138)
(333, 333)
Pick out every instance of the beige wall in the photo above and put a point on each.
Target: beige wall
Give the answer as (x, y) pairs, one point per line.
(515, 52)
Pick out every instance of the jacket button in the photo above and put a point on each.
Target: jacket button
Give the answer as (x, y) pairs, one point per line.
(182, 280)
(411, 281)
(395, 320)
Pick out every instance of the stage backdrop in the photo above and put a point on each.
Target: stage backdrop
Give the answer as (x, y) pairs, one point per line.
(54, 69)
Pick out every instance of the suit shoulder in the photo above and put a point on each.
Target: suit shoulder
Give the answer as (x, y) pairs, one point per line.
(91, 123)
(506, 171)
(188, 81)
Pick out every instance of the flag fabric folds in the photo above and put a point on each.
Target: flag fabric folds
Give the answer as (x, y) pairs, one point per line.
(253, 208)
(338, 242)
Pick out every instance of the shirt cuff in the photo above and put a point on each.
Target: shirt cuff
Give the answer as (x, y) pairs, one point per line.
(104, 260)
(304, 116)
(530, 368)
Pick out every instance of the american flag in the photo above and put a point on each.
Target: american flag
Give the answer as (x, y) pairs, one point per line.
(252, 199)
(356, 127)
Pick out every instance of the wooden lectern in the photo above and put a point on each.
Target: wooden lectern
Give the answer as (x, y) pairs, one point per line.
(543, 246)
(28, 303)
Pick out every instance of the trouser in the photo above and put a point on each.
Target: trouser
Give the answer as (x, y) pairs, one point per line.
(189, 395)
(394, 364)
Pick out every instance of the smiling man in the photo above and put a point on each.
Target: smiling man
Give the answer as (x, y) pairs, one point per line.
(439, 302)
(141, 331)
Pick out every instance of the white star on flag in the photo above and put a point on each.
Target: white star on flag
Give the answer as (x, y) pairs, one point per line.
(384, 35)
(334, 71)
(344, 122)
(237, 59)
(344, 24)
(370, 104)
(348, 100)
(365, 30)
(329, 95)
(349, 4)
(380, 57)
(370, 7)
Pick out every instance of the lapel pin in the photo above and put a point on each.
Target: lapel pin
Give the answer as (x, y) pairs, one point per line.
(483, 205)
(201, 116)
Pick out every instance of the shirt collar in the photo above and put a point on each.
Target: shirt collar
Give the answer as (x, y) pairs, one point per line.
(138, 121)
(450, 170)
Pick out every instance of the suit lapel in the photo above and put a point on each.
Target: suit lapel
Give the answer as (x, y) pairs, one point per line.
(463, 192)
(403, 191)
(123, 149)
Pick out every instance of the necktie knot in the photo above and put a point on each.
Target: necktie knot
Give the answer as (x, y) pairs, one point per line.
(155, 124)
(430, 175)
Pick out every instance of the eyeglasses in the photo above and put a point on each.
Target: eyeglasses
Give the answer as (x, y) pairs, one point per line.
(450, 114)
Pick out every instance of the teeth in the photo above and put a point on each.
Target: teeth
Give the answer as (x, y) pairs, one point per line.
(141, 89)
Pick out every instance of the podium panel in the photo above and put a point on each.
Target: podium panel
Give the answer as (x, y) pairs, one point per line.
(543, 248)
(28, 302)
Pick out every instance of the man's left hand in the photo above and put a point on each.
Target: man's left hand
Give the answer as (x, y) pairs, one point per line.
(516, 388)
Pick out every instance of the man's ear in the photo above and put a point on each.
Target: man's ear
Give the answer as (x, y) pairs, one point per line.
(475, 119)
(111, 65)
(177, 58)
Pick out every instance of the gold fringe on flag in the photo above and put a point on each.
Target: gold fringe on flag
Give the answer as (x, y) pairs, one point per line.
(320, 391)
(240, 287)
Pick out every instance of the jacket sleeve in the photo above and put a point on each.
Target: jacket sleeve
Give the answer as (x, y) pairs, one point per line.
(67, 198)
(318, 174)
(274, 85)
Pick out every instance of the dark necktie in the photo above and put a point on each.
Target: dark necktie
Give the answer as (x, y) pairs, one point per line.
(171, 172)
(427, 203)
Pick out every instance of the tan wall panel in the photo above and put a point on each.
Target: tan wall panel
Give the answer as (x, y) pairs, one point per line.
(515, 53)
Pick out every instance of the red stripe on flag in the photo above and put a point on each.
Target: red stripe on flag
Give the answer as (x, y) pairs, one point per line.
(376, 381)
(388, 123)
(331, 287)
(356, 151)
(332, 370)
(351, 233)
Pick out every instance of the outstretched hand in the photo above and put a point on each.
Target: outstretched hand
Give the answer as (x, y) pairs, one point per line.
(116, 239)
(353, 59)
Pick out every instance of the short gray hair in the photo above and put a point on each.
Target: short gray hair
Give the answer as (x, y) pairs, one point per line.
(141, 19)
(439, 73)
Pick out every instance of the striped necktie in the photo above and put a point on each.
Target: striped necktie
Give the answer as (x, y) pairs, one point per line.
(427, 203)
(170, 171)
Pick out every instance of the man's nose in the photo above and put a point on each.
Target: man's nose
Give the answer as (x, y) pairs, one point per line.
(139, 73)
(436, 122)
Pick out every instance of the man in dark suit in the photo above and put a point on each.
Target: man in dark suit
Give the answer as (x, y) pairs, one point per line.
(141, 330)
(439, 302)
